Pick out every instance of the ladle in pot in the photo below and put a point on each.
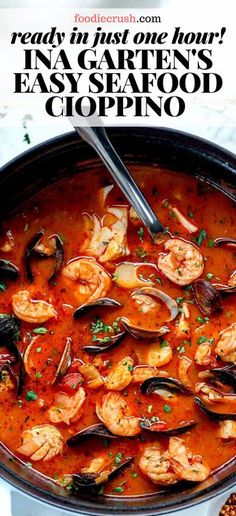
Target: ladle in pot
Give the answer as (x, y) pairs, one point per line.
(97, 138)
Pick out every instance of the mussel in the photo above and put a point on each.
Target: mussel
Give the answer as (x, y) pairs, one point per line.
(159, 383)
(92, 480)
(230, 243)
(103, 347)
(65, 361)
(34, 249)
(216, 416)
(141, 295)
(207, 297)
(9, 334)
(226, 375)
(101, 302)
(8, 269)
(162, 428)
(97, 430)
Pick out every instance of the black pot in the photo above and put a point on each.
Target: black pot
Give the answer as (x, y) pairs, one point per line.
(62, 157)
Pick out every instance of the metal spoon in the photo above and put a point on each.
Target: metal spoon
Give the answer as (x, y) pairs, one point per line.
(97, 138)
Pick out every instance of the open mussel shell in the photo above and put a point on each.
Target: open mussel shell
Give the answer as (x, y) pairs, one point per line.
(216, 416)
(28, 253)
(32, 250)
(102, 347)
(59, 258)
(159, 383)
(101, 302)
(89, 481)
(8, 269)
(97, 430)
(226, 375)
(147, 424)
(207, 297)
(64, 363)
(143, 333)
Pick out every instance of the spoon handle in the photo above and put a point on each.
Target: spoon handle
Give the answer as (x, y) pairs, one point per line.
(97, 138)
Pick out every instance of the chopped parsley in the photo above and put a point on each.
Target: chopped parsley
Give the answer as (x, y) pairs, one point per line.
(167, 409)
(38, 350)
(118, 458)
(118, 489)
(3, 287)
(202, 339)
(40, 331)
(38, 375)
(149, 409)
(210, 243)
(140, 233)
(31, 396)
(140, 252)
(202, 236)
(209, 275)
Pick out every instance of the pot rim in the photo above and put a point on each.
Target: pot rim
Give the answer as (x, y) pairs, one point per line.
(227, 162)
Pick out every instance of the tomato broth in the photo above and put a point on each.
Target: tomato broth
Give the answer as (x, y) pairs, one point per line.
(70, 209)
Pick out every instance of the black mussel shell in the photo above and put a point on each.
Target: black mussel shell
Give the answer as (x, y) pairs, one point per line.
(9, 329)
(207, 297)
(28, 253)
(147, 424)
(102, 301)
(171, 384)
(88, 481)
(102, 347)
(59, 258)
(98, 430)
(217, 416)
(9, 334)
(225, 375)
(8, 269)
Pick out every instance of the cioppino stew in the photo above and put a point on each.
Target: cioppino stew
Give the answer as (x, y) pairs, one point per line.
(118, 353)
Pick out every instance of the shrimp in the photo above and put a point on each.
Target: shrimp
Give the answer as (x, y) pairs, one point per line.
(185, 465)
(203, 354)
(142, 373)
(93, 280)
(156, 465)
(113, 411)
(183, 264)
(158, 355)
(232, 280)
(226, 346)
(41, 443)
(92, 376)
(67, 409)
(228, 429)
(30, 310)
(121, 376)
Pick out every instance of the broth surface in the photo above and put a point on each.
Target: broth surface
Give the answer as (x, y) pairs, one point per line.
(59, 210)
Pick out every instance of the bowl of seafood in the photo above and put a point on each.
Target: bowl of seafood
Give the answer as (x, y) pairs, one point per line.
(118, 352)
